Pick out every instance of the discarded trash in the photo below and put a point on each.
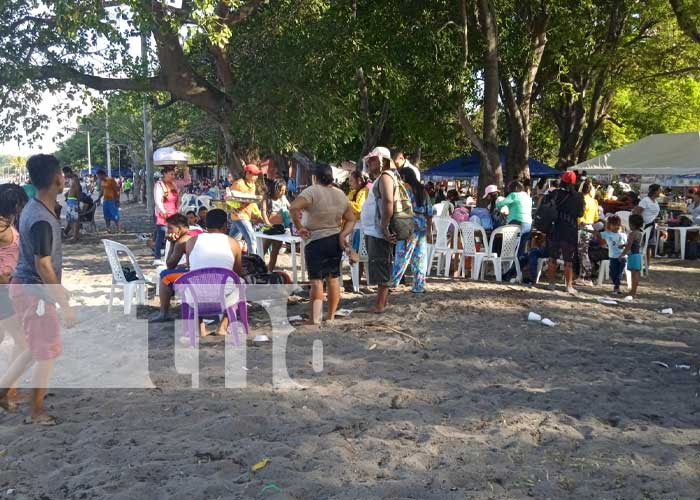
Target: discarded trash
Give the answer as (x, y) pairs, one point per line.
(245, 368)
(261, 338)
(659, 363)
(295, 318)
(548, 322)
(668, 310)
(343, 312)
(260, 465)
(533, 316)
(144, 237)
(372, 347)
(629, 298)
(683, 367)
(610, 302)
(209, 321)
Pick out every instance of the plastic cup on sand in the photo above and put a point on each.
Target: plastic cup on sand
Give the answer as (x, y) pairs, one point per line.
(548, 322)
(533, 316)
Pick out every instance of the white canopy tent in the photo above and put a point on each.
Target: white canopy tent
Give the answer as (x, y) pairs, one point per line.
(658, 154)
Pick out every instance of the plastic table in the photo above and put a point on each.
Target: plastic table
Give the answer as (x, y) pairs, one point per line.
(293, 241)
(682, 234)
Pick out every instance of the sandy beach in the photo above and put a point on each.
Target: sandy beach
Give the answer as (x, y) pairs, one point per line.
(479, 403)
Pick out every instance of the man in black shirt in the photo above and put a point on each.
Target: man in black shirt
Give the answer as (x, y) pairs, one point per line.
(563, 240)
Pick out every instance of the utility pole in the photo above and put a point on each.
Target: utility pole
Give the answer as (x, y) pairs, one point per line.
(88, 152)
(147, 132)
(109, 162)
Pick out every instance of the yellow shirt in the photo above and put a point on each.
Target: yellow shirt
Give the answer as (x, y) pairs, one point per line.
(250, 209)
(359, 200)
(590, 210)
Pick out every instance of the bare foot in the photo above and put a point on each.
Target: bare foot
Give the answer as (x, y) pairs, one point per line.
(17, 397)
(376, 310)
(221, 333)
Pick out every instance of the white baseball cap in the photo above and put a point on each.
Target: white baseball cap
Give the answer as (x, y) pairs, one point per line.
(379, 152)
(491, 188)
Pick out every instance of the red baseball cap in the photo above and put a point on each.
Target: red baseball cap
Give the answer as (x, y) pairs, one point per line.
(252, 169)
(569, 177)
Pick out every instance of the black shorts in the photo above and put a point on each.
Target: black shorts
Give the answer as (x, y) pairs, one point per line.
(6, 309)
(380, 256)
(323, 257)
(563, 250)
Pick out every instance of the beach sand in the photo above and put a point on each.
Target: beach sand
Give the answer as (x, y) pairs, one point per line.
(484, 404)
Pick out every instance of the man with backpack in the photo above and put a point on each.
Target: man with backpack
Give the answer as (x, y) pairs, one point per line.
(557, 217)
(386, 216)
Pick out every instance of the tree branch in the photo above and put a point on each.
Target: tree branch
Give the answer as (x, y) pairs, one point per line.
(470, 131)
(241, 14)
(685, 20)
(68, 74)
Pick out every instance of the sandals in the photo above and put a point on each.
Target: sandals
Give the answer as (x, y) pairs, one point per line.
(43, 420)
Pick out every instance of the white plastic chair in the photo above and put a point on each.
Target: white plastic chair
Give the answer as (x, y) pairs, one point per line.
(468, 232)
(646, 236)
(545, 261)
(624, 216)
(187, 202)
(604, 273)
(204, 201)
(133, 290)
(443, 209)
(509, 252)
(355, 266)
(443, 247)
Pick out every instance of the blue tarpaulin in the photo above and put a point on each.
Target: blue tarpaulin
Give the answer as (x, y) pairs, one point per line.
(465, 167)
(116, 171)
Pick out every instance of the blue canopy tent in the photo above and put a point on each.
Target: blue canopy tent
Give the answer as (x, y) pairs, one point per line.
(116, 171)
(468, 166)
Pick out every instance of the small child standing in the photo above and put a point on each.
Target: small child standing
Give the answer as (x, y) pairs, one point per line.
(615, 240)
(633, 250)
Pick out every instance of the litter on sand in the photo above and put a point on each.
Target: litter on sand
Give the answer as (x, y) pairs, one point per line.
(343, 312)
(683, 367)
(372, 347)
(260, 465)
(610, 302)
(261, 338)
(629, 298)
(548, 322)
(270, 487)
(668, 310)
(533, 316)
(295, 318)
(660, 363)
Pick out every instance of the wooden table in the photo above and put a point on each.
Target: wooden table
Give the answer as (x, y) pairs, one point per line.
(285, 238)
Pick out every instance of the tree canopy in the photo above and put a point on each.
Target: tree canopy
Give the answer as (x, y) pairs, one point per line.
(239, 79)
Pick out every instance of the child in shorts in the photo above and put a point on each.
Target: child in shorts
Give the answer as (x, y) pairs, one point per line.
(633, 250)
(615, 240)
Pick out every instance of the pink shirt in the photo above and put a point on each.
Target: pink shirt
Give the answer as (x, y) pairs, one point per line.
(9, 254)
(171, 203)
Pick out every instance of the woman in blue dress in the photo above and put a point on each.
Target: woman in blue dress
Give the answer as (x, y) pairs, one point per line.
(414, 251)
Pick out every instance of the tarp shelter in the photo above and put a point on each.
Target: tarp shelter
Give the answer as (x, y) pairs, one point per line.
(466, 167)
(116, 171)
(658, 154)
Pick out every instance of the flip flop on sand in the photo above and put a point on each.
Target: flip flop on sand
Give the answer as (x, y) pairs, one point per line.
(159, 318)
(7, 406)
(43, 420)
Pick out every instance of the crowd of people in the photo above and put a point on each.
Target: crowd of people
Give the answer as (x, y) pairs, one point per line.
(566, 220)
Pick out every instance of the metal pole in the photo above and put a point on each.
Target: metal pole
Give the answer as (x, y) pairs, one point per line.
(147, 133)
(88, 151)
(109, 162)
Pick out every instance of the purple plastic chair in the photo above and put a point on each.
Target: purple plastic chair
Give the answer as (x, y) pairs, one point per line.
(203, 293)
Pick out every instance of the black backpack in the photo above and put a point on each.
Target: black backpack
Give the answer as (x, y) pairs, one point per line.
(255, 271)
(547, 214)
